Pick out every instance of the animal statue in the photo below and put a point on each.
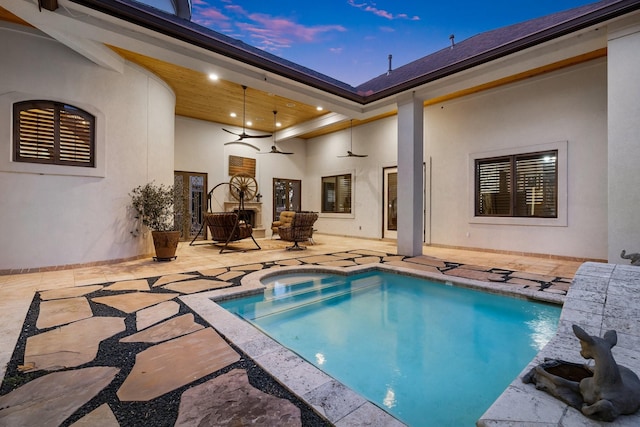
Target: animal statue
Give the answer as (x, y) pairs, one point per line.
(613, 390)
(635, 258)
(602, 392)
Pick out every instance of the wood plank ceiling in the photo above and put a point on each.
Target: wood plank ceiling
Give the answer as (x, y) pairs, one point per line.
(199, 97)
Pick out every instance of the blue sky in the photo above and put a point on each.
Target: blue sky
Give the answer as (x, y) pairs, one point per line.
(350, 40)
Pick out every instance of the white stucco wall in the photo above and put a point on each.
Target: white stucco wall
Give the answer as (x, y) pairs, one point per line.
(568, 105)
(624, 139)
(51, 217)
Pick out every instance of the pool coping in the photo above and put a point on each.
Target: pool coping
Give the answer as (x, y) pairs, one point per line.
(339, 404)
(601, 297)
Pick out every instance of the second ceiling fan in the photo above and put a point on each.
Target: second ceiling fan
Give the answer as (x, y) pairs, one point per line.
(274, 149)
(350, 153)
(244, 135)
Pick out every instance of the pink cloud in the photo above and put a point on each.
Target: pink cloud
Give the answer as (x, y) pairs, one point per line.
(209, 16)
(371, 8)
(267, 32)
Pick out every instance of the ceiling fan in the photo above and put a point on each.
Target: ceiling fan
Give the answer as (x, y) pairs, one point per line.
(274, 149)
(244, 134)
(350, 153)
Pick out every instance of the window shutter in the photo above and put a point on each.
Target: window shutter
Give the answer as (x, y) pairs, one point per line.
(536, 182)
(494, 187)
(344, 193)
(35, 129)
(76, 134)
(52, 132)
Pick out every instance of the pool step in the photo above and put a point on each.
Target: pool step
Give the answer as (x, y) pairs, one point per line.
(303, 295)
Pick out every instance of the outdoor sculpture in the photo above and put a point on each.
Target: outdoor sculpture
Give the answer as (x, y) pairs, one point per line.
(604, 393)
(635, 258)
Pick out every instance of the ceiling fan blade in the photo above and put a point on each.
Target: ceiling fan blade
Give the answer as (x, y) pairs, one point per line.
(242, 143)
(274, 150)
(232, 133)
(244, 135)
(350, 154)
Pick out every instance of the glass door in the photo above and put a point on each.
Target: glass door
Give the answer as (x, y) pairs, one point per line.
(194, 196)
(286, 196)
(390, 205)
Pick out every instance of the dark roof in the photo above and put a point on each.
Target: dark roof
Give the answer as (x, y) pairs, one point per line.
(516, 36)
(471, 52)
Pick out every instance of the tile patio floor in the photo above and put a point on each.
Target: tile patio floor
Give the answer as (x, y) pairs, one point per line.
(114, 345)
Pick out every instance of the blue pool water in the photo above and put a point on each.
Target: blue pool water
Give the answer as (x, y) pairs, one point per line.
(429, 353)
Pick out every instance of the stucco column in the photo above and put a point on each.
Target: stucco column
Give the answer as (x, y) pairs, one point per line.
(410, 159)
(623, 63)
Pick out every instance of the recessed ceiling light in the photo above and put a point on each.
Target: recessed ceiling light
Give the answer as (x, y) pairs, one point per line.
(278, 124)
(233, 115)
(319, 108)
(249, 123)
(213, 77)
(290, 104)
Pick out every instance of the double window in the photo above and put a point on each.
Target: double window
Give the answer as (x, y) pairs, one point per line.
(54, 133)
(336, 194)
(523, 185)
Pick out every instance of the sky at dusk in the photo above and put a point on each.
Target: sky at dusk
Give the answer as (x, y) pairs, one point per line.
(350, 40)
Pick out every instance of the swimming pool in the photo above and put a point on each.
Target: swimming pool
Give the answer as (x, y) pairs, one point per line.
(429, 353)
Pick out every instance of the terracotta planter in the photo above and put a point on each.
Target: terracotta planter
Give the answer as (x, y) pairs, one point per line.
(166, 244)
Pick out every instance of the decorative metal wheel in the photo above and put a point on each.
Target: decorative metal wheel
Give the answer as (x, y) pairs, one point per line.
(245, 183)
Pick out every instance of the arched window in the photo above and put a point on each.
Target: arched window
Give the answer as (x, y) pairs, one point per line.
(54, 133)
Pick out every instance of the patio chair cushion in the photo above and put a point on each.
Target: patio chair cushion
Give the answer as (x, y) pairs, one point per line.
(285, 219)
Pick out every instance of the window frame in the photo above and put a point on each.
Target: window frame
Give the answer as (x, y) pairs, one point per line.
(7, 164)
(336, 213)
(560, 220)
(509, 196)
(59, 140)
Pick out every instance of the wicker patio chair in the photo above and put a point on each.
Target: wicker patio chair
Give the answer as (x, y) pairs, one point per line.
(225, 227)
(300, 229)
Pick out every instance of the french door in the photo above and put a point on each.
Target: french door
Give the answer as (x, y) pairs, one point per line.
(286, 196)
(390, 203)
(194, 196)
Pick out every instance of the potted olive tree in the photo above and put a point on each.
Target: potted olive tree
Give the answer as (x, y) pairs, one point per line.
(159, 208)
